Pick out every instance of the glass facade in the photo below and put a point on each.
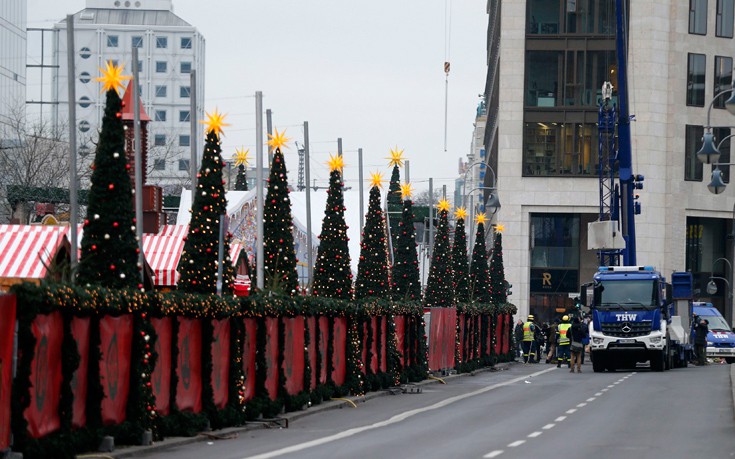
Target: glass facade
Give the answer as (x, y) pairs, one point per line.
(723, 79)
(695, 79)
(706, 243)
(698, 17)
(725, 17)
(555, 149)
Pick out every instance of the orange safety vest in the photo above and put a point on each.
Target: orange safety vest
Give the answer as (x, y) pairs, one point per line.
(528, 331)
(563, 334)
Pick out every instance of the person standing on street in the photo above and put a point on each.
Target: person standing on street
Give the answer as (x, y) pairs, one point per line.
(578, 334)
(551, 345)
(528, 343)
(701, 328)
(518, 335)
(563, 340)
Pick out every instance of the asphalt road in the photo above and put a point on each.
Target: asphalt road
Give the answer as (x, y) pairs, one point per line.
(526, 411)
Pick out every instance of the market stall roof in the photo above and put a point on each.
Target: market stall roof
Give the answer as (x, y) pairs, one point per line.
(28, 251)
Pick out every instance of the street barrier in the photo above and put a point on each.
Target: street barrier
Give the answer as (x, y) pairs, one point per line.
(79, 382)
(7, 332)
(189, 366)
(442, 339)
(116, 334)
(161, 376)
(43, 412)
(221, 362)
(293, 354)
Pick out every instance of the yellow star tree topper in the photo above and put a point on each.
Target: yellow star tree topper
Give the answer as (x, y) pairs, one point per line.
(499, 228)
(278, 140)
(376, 179)
(443, 205)
(336, 163)
(215, 122)
(460, 213)
(396, 157)
(406, 190)
(241, 157)
(480, 218)
(112, 77)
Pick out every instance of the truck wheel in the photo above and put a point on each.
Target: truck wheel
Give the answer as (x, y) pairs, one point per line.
(598, 364)
(730, 359)
(658, 361)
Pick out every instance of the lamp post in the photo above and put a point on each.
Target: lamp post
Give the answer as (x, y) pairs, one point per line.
(712, 287)
(493, 204)
(709, 154)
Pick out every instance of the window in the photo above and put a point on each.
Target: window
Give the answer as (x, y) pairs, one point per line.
(112, 41)
(184, 141)
(723, 78)
(161, 66)
(159, 140)
(140, 66)
(184, 116)
(185, 42)
(695, 80)
(160, 115)
(185, 92)
(161, 42)
(137, 41)
(698, 17)
(560, 149)
(183, 164)
(186, 67)
(159, 165)
(723, 144)
(692, 166)
(725, 14)
(160, 91)
(545, 17)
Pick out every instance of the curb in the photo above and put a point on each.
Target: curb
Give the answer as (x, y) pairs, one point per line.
(135, 451)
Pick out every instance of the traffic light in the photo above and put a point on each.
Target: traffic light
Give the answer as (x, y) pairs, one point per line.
(636, 204)
(508, 286)
(638, 181)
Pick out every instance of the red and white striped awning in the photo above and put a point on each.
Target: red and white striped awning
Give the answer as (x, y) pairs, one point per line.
(27, 250)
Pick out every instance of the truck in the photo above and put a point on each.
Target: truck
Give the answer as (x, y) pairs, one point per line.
(637, 317)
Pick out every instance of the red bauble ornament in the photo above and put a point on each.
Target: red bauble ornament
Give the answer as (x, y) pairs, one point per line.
(115, 224)
(94, 247)
(111, 186)
(112, 267)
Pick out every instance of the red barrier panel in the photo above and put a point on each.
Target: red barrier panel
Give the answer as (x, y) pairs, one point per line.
(293, 354)
(461, 318)
(323, 343)
(506, 333)
(340, 351)
(371, 322)
(271, 357)
(189, 368)
(116, 338)
(443, 334)
(221, 362)
(43, 413)
(161, 375)
(374, 346)
(311, 321)
(248, 357)
(384, 346)
(498, 333)
(400, 322)
(80, 332)
(489, 339)
(7, 331)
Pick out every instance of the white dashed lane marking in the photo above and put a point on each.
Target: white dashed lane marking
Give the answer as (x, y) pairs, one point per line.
(495, 453)
(535, 434)
(560, 418)
(516, 443)
(548, 426)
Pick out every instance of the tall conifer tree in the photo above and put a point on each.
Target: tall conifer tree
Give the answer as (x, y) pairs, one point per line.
(406, 276)
(439, 291)
(460, 264)
(478, 269)
(394, 194)
(332, 271)
(373, 276)
(498, 285)
(241, 161)
(109, 247)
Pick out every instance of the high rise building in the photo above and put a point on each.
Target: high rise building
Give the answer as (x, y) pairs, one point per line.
(169, 48)
(543, 87)
(12, 57)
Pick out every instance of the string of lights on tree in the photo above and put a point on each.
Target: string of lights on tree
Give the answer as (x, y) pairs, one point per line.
(478, 268)
(439, 290)
(460, 263)
(109, 247)
(406, 277)
(332, 272)
(373, 269)
(498, 284)
(241, 161)
(394, 192)
(199, 258)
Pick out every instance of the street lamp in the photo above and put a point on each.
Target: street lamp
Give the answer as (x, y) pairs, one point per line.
(712, 286)
(493, 205)
(709, 154)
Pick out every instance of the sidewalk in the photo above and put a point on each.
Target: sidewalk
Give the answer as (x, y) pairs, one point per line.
(136, 451)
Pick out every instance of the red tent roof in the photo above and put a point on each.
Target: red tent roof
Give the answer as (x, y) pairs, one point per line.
(127, 111)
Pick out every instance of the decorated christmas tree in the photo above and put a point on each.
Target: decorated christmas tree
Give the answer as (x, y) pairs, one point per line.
(199, 260)
(394, 193)
(109, 247)
(280, 257)
(332, 272)
(478, 269)
(498, 286)
(241, 161)
(373, 277)
(406, 277)
(460, 264)
(439, 290)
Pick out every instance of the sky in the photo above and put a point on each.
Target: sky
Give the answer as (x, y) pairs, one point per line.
(370, 73)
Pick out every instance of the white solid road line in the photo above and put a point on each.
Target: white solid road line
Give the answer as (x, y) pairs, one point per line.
(495, 453)
(392, 420)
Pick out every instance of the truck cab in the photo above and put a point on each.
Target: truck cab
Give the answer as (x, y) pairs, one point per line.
(720, 339)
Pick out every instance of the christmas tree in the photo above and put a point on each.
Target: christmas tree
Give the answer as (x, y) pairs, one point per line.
(439, 290)
(406, 277)
(199, 259)
(394, 194)
(332, 272)
(109, 248)
(241, 161)
(478, 269)
(280, 257)
(498, 286)
(460, 264)
(373, 268)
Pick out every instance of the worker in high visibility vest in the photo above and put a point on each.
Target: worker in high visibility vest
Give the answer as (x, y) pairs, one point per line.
(563, 342)
(529, 344)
